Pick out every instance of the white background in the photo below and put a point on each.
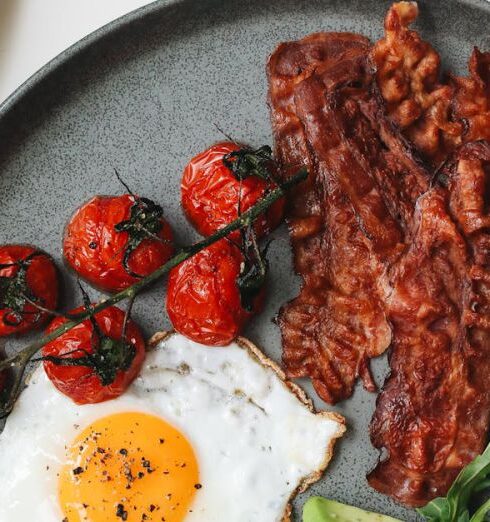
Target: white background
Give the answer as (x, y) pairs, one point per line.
(32, 32)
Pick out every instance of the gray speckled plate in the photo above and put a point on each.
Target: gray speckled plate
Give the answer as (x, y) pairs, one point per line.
(143, 94)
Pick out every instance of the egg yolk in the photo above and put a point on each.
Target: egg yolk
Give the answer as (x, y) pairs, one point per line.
(128, 466)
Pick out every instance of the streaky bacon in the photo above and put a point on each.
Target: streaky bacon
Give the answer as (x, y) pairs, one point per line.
(336, 323)
(383, 256)
(363, 185)
(433, 414)
(437, 116)
(424, 413)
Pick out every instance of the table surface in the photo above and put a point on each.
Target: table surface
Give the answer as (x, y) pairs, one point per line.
(32, 32)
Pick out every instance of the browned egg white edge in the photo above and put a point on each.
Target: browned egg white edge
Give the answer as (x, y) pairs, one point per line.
(300, 394)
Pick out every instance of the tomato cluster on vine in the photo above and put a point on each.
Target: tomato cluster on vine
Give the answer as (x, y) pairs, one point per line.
(112, 242)
(212, 295)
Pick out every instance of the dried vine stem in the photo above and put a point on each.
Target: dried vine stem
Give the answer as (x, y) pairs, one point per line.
(22, 358)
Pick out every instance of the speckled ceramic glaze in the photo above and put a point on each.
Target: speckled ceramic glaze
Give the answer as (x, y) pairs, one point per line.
(143, 95)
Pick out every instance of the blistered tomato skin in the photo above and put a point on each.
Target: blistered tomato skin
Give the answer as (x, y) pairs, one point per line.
(41, 282)
(210, 193)
(95, 249)
(81, 383)
(203, 300)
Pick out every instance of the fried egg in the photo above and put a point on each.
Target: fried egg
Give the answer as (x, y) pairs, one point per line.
(203, 434)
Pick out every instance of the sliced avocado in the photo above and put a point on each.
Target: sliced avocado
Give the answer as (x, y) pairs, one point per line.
(319, 509)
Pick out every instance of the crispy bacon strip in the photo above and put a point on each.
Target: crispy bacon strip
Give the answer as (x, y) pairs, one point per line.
(432, 416)
(364, 183)
(336, 323)
(471, 103)
(368, 261)
(436, 116)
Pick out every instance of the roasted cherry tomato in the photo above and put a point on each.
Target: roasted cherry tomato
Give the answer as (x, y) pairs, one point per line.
(203, 297)
(28, 277)
(112, 241)
(93, 362)
(224, 179)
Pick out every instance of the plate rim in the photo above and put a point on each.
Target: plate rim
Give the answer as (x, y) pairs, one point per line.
(92, 38)
(80, 45)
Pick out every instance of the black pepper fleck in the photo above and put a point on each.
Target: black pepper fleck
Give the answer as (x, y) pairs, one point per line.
(121, 512)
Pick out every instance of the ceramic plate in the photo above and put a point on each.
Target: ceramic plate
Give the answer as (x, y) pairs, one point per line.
(143, 95)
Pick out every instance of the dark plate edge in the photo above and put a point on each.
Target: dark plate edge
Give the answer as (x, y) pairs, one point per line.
(16, 96)
(92, 38)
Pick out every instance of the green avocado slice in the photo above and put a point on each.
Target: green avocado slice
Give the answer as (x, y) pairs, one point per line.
(319, 509)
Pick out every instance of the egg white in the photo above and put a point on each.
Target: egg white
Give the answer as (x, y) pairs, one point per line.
(255, 439)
